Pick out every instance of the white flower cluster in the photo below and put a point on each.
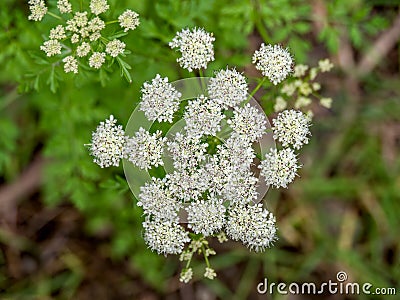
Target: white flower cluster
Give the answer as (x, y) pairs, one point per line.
(249, 122)
(129, 20)
(196, 47)
(291, 127)
(279, 167)
(108, 143)
(64, 6)
(165, 237)
(81, 35)
(145, 150)
(157, 200)
(228, 88)
(203, 117)
(160, 100)
(207, 185)
(206, 217)
(213, 183)
(252, 225)
(274, 62)
(186, 152)
(38, 10)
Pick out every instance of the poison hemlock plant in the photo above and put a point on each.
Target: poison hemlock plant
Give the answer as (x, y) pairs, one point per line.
(208, 185)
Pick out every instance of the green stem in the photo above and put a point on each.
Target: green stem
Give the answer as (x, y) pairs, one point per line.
(111, 22)
(205, 256)
(188, 262)
(255, 89)
(258, 21)
(202, 82)
(55, 16)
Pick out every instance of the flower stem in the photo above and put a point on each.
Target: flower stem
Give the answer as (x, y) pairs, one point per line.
(258, 86)
(111, 22)
(202, 82)
(205, 256)
(255, 90)
(55, 16)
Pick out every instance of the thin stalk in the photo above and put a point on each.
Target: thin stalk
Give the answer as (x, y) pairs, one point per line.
(255, 89)
(205, 256)
(202, 82)
(55, 16)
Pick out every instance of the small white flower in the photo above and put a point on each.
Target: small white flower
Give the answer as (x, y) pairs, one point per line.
(279, 167)
(75, 38)
(280, 104)
(115, 47)
(302, 102)
(94, 36)
(326, 102)
(252, 225)
(95, 25)
(38, 10)
(165, 237)
(249, 122)
(221, 237)
(64, 6)
(97, 59)
(160, 100)
(291, 127)
(289, 89)
(273, 61)
(313, 73)
(325, 65)
(206, 216)
(210, 273)
(228, 88)
(300, 70)
(186, 152)
(70, 64)
(186, 275)
(128, 20)
(203, 117)
(238, 150)
(98, 6)
(79, 20)
(316, 86)
(145, 150)
(157, 200)
(107, 144)
(218, 173)
(241, 187)
(57, 33)
(83, 49)
(305, 89)
(196, 47)
(51, 47)
(186, 186)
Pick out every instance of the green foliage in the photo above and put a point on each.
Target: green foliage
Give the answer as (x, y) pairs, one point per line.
(56, 112)
(352, 18)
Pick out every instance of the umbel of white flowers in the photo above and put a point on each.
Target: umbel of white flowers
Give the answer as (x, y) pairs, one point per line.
(201, 180)
(80, 37)
(217, 189)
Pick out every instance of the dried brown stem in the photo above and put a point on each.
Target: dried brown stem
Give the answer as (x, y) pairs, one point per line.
(380, 48)
(25, 184)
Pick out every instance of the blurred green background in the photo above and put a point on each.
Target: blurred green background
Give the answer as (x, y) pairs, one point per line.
(71, 230)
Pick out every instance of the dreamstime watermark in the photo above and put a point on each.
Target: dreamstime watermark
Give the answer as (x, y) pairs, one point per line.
(339, 286)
